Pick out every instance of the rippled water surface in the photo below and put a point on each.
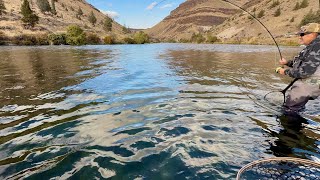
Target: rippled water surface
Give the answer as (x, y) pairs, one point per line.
(159, 111)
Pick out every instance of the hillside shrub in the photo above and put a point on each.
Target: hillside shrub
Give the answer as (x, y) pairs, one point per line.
(198, 38)
(79, 12)
(24, 40)
(171, 40)
(75, 36)
(141, 37)
(254, 9)
(92, 18)
(297, 6)
(277, 12)
(42, 39)
(310, 18)
(211, 39)
(2, 7)
(93, 39)
(129, 40)
(53, 7)
(57, 39)
(125, 29)
(3, 38)
(292, 19)
(108, 40)
(107, 24)
(44, 5)
(182, 40)
(260, 14)
(28, 17)
(274, 4)
(304, 4)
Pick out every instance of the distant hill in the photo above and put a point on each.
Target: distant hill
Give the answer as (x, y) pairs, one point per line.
(230, 24)
(193, 16)
(67, 14)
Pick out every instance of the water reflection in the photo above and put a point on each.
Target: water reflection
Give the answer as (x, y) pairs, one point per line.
(169, 111)
(293, 139)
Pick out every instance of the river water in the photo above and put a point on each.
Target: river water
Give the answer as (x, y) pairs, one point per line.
(157, 111)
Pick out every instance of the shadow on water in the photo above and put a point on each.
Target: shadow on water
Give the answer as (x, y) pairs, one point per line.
(161, 111)
(293, 139)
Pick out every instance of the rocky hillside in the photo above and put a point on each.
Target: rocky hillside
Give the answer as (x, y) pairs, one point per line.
(281, 17)
(67, 13)
(230, 24)
(193, 16)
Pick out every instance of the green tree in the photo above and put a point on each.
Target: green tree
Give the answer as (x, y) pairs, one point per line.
(107, 25)
(92, 18)
(2, 7)
(44, 5)
(29, 18)
(277, 12)
(141, 37)
(75, 36)
(53, 9)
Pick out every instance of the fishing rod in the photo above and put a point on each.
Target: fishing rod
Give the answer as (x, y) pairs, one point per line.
(293, 81)
(258, 21)
(274, 40)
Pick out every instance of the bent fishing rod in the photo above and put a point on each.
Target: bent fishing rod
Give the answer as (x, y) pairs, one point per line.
(274, 40)
(294, 80)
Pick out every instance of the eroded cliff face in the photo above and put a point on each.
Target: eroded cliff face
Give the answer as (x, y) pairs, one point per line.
(193, 16)
(230, 24)
(67, 13)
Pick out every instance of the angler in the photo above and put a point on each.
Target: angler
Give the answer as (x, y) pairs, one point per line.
(304, 68)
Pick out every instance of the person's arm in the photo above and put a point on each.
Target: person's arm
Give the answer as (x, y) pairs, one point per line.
(305, 68)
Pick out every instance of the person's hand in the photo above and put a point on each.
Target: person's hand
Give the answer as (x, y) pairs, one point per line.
(280, 70)
(283, 61)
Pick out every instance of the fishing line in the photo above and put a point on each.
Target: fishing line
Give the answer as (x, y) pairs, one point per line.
(265, 97)
(259, 22)
(292, 82)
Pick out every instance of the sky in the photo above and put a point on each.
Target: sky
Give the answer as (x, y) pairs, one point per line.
(139, 14)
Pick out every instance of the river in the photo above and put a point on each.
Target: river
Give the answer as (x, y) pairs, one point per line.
(155, 111)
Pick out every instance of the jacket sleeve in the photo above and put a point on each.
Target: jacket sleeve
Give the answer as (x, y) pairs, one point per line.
(307, 65)
(290, 63)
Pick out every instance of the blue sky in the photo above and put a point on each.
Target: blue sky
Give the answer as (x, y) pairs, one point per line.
(137, 13)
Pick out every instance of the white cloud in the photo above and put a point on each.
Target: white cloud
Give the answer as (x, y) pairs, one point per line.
(151, 6)
(166, 6)
(111, 14)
